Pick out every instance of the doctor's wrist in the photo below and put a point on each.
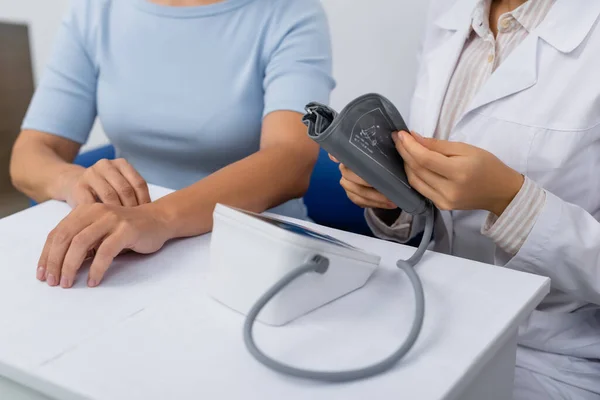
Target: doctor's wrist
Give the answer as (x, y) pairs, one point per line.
(509, 189)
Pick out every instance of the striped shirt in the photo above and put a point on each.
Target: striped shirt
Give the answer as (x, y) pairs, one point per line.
(481, 56)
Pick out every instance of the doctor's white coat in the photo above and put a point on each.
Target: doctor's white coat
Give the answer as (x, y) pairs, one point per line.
(539, 113)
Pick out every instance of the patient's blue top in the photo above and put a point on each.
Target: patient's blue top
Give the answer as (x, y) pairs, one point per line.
(181, 91)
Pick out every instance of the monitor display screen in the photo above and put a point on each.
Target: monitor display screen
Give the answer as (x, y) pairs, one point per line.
(299, 230)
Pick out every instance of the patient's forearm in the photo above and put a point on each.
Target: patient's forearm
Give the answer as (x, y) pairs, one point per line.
(259, 182)
(39, 171)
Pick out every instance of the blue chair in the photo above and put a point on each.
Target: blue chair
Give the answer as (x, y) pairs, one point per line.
(91, 157)
(325, 200)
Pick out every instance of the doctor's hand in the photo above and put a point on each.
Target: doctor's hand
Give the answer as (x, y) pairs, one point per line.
(113, 182)
(360, 192)
(102, 229)
(457, 176)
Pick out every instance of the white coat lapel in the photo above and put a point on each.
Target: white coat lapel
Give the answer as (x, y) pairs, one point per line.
(453, 28)
(441, 64)
(517, 73)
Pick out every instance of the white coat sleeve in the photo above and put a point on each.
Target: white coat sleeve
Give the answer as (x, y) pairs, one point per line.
(564, 245)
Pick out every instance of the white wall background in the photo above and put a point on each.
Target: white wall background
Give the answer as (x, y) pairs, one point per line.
(374, 44)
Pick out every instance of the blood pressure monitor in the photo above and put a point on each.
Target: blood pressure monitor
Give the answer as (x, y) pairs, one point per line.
(274, 271)
(250, 252)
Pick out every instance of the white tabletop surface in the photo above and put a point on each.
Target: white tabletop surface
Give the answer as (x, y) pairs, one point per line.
(151, 332)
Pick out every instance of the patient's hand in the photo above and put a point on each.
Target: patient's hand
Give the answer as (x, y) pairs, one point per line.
(360, 192)
(113, 182)
(107, 228)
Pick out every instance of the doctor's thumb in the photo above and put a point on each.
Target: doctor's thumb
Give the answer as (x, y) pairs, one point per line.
(432, 144)
(427, 142)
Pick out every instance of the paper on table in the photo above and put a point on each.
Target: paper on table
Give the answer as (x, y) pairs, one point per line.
(41, 323)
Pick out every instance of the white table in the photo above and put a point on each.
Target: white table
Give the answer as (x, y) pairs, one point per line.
(151, 332)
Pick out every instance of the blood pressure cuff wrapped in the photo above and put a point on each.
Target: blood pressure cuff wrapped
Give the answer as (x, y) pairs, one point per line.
(360, 137)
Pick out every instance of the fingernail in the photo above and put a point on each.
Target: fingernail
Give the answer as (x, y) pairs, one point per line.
(92, 283)
(65, 282)
(396, 137)
(41, 273)
(51, 279)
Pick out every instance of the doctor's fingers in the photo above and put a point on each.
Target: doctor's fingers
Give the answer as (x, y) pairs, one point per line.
(365, 197)
(419, 156)
(444, 147)
(432, 178)
(352, 177)
(425, 189)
